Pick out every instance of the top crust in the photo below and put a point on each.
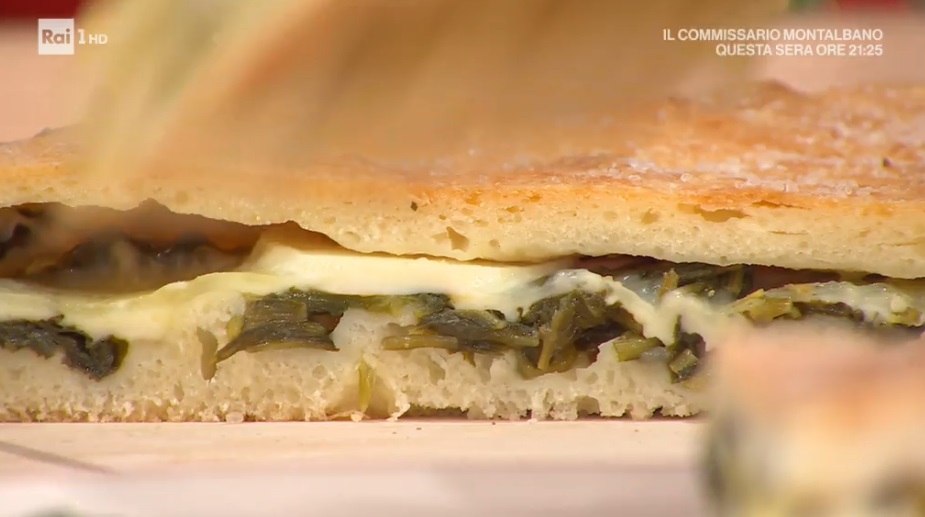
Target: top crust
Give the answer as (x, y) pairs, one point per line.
(827, 181)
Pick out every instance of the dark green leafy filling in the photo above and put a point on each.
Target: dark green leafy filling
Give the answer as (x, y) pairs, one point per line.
(114, 262)
(555, 334)
(563, 332)
(104, 250)
(702, 278)
(97, 358)
(303, 319)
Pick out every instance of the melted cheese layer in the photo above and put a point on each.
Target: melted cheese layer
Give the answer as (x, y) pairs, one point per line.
(508, 288)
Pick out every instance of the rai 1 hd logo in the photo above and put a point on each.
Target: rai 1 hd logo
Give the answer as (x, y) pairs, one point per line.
(58, 37)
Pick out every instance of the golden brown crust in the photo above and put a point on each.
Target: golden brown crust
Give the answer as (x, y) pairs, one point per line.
(833, 180)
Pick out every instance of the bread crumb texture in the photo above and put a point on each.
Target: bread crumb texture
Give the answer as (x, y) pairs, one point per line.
(162, 382)
(772, 177)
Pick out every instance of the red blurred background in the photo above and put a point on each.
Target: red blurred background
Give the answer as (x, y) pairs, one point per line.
(38, 8)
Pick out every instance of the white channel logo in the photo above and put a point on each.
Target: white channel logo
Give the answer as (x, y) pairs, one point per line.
(59, 37)
(56, 36)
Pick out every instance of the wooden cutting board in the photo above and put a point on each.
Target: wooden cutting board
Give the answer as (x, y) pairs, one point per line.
(424, 467)
(44, 448)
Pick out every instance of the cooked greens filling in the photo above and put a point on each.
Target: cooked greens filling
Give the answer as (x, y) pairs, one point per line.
(554, 334)
(305, 319)
(104, 250)
(637, 305)
(117, 263)
(557, 333)
(97, 358)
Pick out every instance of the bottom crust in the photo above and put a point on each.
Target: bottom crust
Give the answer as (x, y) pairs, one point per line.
(163, 381)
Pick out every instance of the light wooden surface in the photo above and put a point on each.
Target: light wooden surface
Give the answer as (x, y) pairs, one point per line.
(548, 491)
(130, 447)
(342, 468)
(374, 492)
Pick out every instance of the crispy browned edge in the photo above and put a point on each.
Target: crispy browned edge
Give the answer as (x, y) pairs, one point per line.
(814, 177)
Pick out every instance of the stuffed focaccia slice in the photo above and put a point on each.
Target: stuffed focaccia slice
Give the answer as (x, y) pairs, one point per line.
(817, 422)
(593, 278)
